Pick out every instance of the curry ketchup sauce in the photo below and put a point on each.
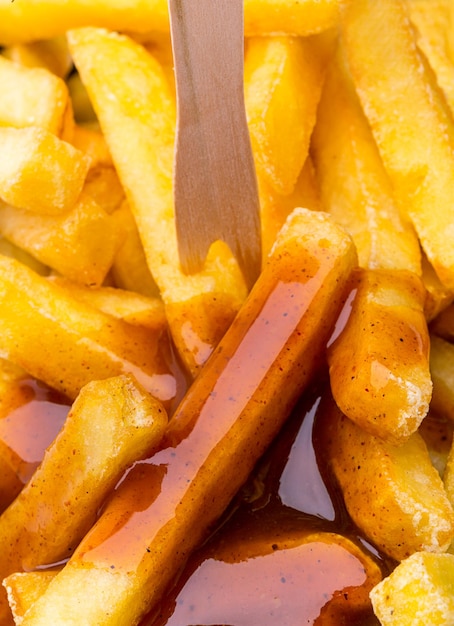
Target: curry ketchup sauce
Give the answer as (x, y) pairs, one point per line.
(286, 552)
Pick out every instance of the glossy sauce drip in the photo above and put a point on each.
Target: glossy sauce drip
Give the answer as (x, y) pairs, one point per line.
(275, 558)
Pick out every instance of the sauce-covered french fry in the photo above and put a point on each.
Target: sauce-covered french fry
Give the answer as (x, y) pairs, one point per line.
(234, 408)
(379, 364)
(112, 423)
(392, 493)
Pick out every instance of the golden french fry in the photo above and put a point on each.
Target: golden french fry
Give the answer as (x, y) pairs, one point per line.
(442, 371)
(40, 172)
(412, 129)
(51, 54)
(103, 185)
(24, 588)
(82, 107)
(133, 308)
(438, 296)
(32, 97)
(21, 24)
(379, 364)
(443, 324)
(354, 186)
(437, 432)
(80, 244)
(301, 289)
(448, 478)
(432, 22)
(283, 80)
(420, 591)
(139, 126)
(91, 141)
(275, 208)
(130, 269)
(67, 343)
(9, 249)
(392, 493)
(126, 423)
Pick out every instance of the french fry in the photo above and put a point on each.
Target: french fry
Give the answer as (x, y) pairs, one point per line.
(275, 208)
(133, 308)
(24, 588)
(392, 493)
(166, 505)
(40, 172)
(438, 296)
(419, 592)
(160, 47)
(442, 371)
(282, 74)
(33, 97)
(126, 423)
(9, 249)
(82, 107)
(103, 185)
(130, 269)
(431, 19)
(51, 54)
(260, 17)
(448, 480)
(437, 432)
(382, 384)
(139, 126)
(354, 186)
(379, 364)
(443, 324)
(91, 141)
(80, 244)
(67, 343)
(414, 134)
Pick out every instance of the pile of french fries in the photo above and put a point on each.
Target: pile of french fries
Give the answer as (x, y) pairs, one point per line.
(173, 385)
